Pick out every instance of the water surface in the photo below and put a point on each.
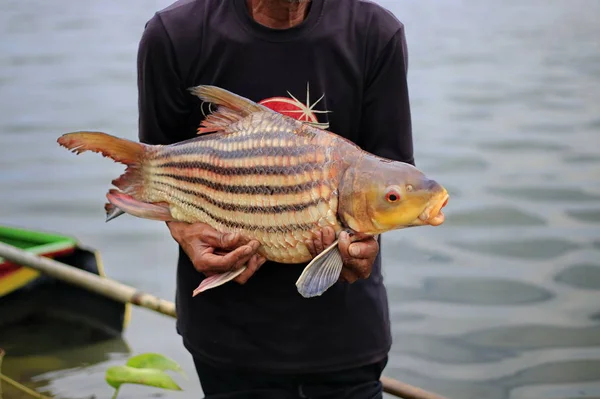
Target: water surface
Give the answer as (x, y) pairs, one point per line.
(503, 301)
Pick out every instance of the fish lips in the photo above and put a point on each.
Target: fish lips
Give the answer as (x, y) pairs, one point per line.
(433, 215)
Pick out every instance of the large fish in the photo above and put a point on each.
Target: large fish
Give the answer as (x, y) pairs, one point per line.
(269, 177)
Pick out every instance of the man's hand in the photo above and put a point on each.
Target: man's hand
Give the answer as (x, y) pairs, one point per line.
(212, 252)
(358, 252)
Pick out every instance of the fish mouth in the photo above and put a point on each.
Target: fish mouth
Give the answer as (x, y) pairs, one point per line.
(433, 215)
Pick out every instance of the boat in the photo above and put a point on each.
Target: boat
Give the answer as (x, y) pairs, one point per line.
(29, 297)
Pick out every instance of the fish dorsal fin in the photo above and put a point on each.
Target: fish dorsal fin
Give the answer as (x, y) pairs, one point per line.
(231, 107)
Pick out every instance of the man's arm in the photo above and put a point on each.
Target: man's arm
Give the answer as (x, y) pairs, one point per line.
(165, 117)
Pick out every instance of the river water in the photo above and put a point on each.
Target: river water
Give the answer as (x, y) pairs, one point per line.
(503, 301)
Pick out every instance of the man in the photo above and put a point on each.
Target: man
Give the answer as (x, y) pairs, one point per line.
(340, 64)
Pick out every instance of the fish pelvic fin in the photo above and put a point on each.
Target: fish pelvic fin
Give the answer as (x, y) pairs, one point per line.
(321, 273)
(120, 150)
(231, 107)
(218, 280)
(128, 204)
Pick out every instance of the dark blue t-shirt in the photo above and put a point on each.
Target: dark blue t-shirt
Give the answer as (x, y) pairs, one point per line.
(344, 67)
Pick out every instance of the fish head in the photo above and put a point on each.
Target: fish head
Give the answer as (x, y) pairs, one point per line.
(380, 195)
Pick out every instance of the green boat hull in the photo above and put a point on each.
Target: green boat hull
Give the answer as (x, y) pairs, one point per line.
(26, 294)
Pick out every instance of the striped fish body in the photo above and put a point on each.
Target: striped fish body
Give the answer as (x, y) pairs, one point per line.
(270, 178)
(265, 176)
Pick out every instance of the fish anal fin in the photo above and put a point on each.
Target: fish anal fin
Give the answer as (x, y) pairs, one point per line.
(112, 211)
(321, 273)
(126, 203)
(217, 280)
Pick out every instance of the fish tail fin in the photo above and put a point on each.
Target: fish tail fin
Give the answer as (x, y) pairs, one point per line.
(120, 150)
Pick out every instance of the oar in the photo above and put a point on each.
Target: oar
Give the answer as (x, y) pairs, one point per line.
(126, 294)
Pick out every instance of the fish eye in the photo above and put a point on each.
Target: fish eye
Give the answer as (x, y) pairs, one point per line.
(392, 196)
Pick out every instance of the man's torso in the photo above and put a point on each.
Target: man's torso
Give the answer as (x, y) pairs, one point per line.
(315, 72)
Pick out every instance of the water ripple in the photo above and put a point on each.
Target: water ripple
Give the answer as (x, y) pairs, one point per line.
(523, 249)
(585, 215)
(474, 291)
(546, 194)
(584, 276)
(498, 303)
(494, 216)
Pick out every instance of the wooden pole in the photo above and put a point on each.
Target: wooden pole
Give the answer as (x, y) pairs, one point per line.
(90, 281)
(125, 294)
(406, 391)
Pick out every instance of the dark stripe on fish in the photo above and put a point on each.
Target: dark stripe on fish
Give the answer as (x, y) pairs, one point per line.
(239, 225)
(245, 208)
(293, 151)
(243, 171)
(237, 189)
(276, 133)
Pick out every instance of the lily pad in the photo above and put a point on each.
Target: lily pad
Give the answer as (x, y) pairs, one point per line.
(154, 361)
(119, 375)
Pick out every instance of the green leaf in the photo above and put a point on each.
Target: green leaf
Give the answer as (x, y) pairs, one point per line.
(118, 375)
(154, 361)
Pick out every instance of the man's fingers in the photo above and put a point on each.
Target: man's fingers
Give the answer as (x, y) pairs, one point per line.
(343, 244)
(321, 240)
(362, 268)
(355, 271)
(328, 236)
(310, 245)
(318, 241)
(357, 256)
(255, 262)
(216, 239)
(348, 275)
(363, 249)
(206, 260)
(351, 249)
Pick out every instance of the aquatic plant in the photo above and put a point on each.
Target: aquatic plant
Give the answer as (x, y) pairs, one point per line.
(144, 369)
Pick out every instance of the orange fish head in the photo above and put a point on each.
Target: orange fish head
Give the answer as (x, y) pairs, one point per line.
(379, 195)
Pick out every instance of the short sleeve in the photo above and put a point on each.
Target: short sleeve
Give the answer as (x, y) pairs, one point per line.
(163, 103)
(386, 122)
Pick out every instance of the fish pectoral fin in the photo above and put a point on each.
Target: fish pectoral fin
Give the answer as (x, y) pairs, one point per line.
(321, 273)
(217, 280)
(126, 203)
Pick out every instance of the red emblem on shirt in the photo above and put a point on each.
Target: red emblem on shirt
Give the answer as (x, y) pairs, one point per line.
(293, 107)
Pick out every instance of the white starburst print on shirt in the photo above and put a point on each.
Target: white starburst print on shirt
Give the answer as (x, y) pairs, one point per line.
(302, 111)
(290, 106)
